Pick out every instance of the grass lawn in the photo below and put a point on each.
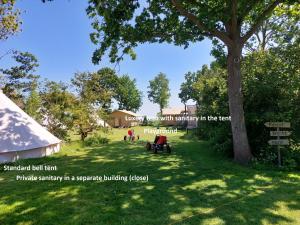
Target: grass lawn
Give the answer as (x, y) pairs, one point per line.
(193, 185)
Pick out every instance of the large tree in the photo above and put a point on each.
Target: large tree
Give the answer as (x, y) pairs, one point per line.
(57, 108)
(97, 88)
(125, 24)
(159, 91)
(186, 92)
(96, 91)
(84, 118)
(127, 94)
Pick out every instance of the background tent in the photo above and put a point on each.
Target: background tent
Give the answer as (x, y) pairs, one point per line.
(21, 136)
(191, 111)
(124, 118)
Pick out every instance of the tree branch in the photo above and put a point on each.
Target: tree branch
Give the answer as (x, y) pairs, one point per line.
(260, 20)
(7, 53)
(258, 37)
(213, 32)
(251, 5)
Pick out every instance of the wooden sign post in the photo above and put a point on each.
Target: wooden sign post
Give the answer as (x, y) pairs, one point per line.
(279, 133)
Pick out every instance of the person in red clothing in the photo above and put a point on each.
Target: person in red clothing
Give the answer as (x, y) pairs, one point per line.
(129, 134)
(132, 135)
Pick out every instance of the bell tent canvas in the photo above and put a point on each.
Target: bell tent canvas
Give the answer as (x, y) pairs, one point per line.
(21, 136)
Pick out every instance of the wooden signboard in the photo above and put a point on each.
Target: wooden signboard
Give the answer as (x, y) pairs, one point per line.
(280, 133)
(278, 124)
(278, 142)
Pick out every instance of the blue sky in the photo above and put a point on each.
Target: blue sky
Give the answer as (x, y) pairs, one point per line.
(58, 34)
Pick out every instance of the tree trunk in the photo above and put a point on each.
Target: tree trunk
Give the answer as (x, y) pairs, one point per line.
(242, 152)
(160, 109)
(83, 134)
(186, 121)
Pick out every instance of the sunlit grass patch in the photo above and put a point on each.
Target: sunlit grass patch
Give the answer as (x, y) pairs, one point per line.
(192, 185)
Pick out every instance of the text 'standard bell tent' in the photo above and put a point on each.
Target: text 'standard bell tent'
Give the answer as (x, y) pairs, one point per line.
(21, 136)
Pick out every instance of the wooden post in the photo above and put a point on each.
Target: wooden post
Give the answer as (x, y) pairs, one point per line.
(278, 150)
(278, 133)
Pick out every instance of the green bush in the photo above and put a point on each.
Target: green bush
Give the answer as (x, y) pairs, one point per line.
(272, 93)
(96, 140)
(156, 123)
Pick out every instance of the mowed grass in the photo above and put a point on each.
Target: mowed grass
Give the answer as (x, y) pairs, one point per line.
(193, 185)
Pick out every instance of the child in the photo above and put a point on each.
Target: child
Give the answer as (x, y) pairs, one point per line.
(130, 134)
(133, 135)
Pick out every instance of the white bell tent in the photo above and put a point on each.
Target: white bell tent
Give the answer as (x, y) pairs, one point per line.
(21, 136)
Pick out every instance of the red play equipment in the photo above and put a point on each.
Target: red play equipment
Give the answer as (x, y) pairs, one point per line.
(160, 142)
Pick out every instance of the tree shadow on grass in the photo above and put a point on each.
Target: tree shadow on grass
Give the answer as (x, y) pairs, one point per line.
(190, 186)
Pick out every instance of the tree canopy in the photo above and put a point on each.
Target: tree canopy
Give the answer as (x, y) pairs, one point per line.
(9, 19)
(282, 28)
(127, 94)
(57, 108)
(19, 79)
(159, 91)
(97, 88)
(186, 90)
(123, 25)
